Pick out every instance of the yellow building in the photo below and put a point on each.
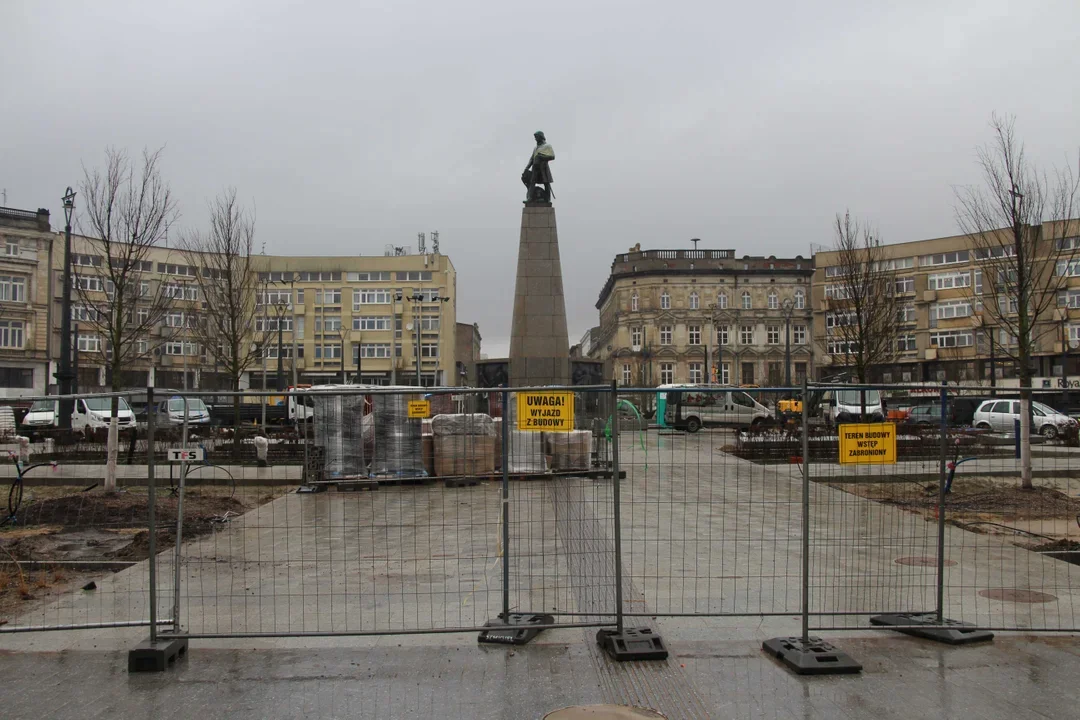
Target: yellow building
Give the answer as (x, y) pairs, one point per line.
(25, 244)
(349, 318)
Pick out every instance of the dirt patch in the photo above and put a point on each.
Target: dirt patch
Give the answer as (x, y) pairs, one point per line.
(971, 499)
(1058, 546)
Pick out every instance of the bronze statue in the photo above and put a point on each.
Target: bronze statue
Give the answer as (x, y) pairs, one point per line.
(537, 171)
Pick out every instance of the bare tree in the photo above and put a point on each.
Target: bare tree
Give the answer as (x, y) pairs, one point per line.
(862, 317)
(1014, 223)
(128, 212)
(231, 324)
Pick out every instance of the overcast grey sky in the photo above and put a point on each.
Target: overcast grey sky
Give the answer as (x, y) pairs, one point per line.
(351, 125)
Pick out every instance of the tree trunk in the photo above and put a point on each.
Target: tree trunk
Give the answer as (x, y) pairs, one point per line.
(112, 447)
(236, 421)
(1025, 434)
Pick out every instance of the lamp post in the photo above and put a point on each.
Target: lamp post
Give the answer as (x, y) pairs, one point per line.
(64, 374)
(789, 308)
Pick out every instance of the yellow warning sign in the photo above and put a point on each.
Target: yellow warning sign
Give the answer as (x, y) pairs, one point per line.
(550, 411)
(868, 443)
(419, 409)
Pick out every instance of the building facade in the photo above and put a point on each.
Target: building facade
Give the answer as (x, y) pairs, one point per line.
(26, 242)
(944, 332)
(369, 319)
(466, 353)
(704, 316)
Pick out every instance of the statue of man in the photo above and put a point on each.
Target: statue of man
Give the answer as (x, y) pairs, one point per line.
(537, 171)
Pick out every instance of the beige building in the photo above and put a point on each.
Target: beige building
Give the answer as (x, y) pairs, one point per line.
(698, 316)
(944, 331)
(26, 243)
(370, 319)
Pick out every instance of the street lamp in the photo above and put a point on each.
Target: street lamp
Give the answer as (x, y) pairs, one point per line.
(789, 308)
(64, 375)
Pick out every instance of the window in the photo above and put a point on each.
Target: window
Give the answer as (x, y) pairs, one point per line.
(328, 323)
(905, 343)
(286, 351)
(414, 276)
(17, 377)
(429, 350)
(800, 373)
(950, 309)
(747, 379)
(1068, 268)
(12, 288)
(634, 301)
(1008, 305)
(374, 350)
(87, 284)
(722, 335)
(948, 281)
(174, 319)
(181, 292)
(1074, 336)
(84, 313)
(694, 301)
(11, 247)
(904, 285)
(746, 335)
(142, 316)
(667, 373)
(772, 334)
(369, 297)
(838, 292)
(11, 334)
(665, 334)
(721, 301)
(697, 374)
(695, 334)
(905, 314)
(86, 260)
(89, 343)
(800, 300)
(174, 269)
(746, 302)
(318, 276)
(774, 300)
(181, 348)
(841, 347)
(949, 258)
(1069, 243)
(429, 323)
(724, 375)
(371, 323)
(951, 338)
(665, 301)
(978, 282)
(635, 337)
(1069, 299)
(328, 352)
(276, 276)
(627, 375)
(368, 276)
(270, 324)
(275, 297)
(897, 264)
(798, 334)
(328, 297)
(840, 319)
(998, 251)
(834, 271)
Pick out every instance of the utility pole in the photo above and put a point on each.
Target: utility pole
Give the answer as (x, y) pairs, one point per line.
(64, 374)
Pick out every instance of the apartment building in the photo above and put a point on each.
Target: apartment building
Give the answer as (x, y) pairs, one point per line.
(703, 316)
(944, 332)
(26, 242)
(371, 319)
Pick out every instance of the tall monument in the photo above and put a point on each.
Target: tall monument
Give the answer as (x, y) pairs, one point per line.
(539, 346)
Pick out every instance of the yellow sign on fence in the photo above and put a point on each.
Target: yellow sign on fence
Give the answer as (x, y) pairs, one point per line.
(550, 411)
(869, 443)
(419, 409)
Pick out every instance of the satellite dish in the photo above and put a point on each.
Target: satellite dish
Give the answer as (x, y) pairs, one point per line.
(408, 326)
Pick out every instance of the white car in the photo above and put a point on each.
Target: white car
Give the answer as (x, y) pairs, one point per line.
(1001, 416)
(87, 415)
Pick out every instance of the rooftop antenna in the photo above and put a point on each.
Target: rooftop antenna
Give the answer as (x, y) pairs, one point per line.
(695, 241)
(263, 247)
(4, 193)
(388, 250)
(435, 241)
(420, 244)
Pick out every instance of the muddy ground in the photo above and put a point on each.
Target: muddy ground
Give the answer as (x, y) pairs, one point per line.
(58, 527)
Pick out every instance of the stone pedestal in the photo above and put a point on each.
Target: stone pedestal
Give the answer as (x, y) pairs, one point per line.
(539, 347)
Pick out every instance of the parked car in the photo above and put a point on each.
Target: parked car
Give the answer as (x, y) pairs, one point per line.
(924, 415)
(1001, 416)
(691, 408)
(845, 406)
(87, 415)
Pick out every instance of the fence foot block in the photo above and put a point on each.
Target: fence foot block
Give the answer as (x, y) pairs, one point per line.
(517, 629)
(156, 656)
(950, 632)
(310, 489)
(459, 482)
(632, 644)
(813, 656)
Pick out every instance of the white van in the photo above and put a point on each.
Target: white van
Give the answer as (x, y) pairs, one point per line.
(845, 406)
(170, 412)
(88, 415)
(692, 407)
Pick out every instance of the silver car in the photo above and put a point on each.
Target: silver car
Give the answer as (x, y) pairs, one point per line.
(1001, 416)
